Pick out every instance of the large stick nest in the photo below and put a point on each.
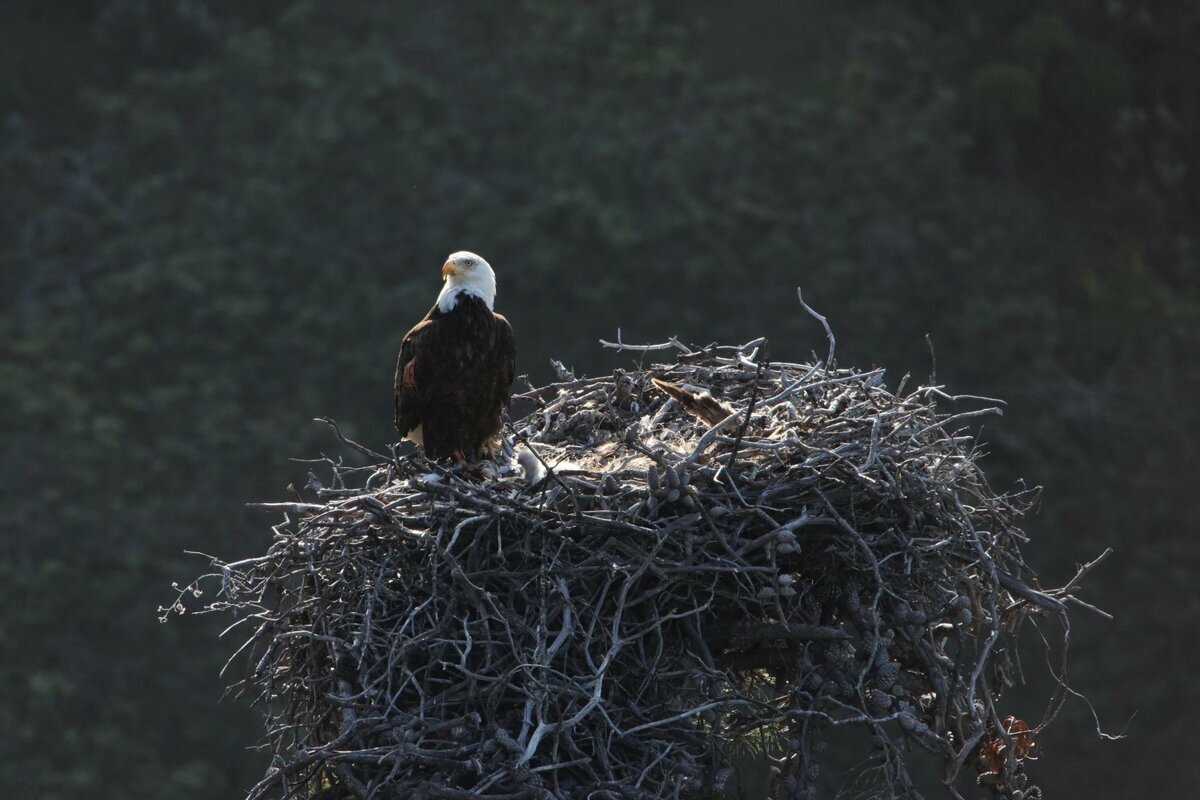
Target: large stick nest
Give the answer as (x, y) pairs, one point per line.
(747, 551)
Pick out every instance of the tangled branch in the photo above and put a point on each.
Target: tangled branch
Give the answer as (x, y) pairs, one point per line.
(609, 631)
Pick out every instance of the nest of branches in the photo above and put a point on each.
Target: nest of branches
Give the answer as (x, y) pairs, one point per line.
(721, 549)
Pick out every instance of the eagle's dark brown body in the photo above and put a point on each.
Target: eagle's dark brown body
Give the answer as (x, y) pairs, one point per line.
(453, 379)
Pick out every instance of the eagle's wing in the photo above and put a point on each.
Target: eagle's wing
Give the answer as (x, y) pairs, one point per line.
(506, 350)
(410, 394)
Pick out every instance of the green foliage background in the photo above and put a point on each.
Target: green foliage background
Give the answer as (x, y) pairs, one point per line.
(218, 218)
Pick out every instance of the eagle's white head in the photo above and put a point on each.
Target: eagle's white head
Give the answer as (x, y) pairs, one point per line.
(466, 273)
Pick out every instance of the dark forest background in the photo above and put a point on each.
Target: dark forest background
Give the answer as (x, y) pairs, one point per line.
(218, 218)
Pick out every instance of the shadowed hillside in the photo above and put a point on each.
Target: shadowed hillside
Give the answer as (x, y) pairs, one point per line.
(219, 218)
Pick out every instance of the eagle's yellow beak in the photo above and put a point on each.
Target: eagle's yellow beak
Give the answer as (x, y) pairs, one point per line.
(449, 269)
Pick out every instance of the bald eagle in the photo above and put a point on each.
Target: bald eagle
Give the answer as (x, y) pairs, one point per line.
(455, 369)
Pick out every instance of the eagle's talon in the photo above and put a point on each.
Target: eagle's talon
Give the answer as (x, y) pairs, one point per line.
(492, 450)
(467, 471)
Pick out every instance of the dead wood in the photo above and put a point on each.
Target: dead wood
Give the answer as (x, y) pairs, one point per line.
(610, 631)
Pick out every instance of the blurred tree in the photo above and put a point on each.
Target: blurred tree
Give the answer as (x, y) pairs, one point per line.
(219, 218)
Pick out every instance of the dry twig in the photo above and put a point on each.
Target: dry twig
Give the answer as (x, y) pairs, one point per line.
(607, 633)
